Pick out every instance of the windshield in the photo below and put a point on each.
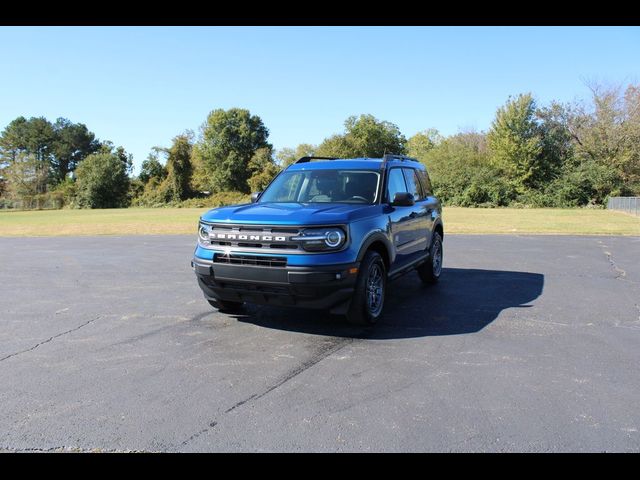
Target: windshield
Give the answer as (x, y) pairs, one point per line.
(323, 186)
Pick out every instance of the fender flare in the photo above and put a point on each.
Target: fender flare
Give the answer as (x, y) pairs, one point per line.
(377, 236)
(438, 222)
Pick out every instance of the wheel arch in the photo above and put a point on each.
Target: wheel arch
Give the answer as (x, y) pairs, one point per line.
(379, 243)
(438, 227)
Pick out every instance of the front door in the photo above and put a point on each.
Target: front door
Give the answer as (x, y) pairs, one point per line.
(402, 220)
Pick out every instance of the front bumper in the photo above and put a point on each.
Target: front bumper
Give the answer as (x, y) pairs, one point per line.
(321, 287)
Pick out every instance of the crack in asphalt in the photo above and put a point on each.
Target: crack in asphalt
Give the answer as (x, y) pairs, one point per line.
(197, 434)
(49, 339)
(181, 320)
(620, 272)
(320, 355)
(621, 275)
(65, 449)
(638, 309)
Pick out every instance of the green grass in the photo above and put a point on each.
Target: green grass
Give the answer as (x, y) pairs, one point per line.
(569, 221)
(141, 221)
(117, 221)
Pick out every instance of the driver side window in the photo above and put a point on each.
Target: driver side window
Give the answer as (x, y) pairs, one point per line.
(413, 184)
(395, 183)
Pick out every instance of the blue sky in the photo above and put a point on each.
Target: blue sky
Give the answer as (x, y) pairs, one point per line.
(140, 86)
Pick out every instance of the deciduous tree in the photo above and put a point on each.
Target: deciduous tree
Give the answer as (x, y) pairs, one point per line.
(516, 144)
(102, 181)
(287, 156)
(262, 168)
(179, 168)
(152, 168)
(228, 141)
(422, 142)
(364, 136)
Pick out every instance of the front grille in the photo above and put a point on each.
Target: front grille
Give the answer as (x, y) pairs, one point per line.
(252, 260)
(253, 237)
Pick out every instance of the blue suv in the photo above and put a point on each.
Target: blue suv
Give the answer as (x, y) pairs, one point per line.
(326, 233)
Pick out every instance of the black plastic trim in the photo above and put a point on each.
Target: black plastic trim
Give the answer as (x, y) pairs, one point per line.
(373, 237)
(311, 287)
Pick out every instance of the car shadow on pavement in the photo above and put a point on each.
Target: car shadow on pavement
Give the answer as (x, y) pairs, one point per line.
(464, 301)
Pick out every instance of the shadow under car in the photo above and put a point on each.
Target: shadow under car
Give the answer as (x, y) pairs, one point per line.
(464, 301)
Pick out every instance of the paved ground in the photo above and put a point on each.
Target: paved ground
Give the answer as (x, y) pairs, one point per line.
(528, 344)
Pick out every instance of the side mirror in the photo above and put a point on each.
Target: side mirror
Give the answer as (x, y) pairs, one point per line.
(255, 196)
(403, 199)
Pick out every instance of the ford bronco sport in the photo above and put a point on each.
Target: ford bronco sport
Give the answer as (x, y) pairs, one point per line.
(326, 233)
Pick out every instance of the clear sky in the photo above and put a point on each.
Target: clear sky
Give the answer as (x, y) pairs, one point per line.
(140, 86)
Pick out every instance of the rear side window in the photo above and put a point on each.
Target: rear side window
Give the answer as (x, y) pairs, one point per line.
(413, 183)
(426, 182)
(395, 184)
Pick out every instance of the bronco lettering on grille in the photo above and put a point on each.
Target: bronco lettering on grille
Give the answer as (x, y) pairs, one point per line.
(263, 238)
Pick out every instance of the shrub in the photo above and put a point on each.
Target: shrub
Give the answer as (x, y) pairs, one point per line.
(216, 200)
(102, 181)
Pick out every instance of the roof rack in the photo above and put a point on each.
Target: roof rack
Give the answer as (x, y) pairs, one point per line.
(387, 157)
(308, 159)
(402, 158)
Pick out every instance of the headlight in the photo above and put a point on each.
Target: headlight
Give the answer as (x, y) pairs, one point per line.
(203, 232)
(318, 239)
(334, 238)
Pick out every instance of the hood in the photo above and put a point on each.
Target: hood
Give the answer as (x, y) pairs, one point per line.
(290, 213)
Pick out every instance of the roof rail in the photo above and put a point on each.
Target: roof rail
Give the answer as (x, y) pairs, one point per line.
(402, 158)
(308, 159)
(387, 157)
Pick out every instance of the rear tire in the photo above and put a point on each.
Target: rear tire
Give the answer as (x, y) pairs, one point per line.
(431, 270)
(371, 286)
(226, 306)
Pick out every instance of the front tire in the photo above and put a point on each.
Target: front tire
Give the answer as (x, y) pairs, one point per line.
(431, 270)
(371, 286)
(226, 306)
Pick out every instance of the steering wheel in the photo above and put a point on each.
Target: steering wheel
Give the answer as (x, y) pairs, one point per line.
(358, 197)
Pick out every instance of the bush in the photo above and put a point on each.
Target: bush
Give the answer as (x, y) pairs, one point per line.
(156, 193)
(40, 201)
(535, 199)
(66, 194)
(102, 181)
(216, 200)
(155, 197)
(486, 188)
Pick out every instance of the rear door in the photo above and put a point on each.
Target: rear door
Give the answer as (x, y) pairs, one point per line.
(431, 202)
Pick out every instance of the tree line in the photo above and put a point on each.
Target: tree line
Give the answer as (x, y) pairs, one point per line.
(557, 155)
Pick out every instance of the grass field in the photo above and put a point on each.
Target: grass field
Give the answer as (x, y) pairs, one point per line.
(140, 221)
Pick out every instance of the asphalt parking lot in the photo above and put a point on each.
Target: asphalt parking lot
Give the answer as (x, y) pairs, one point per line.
(529, 343)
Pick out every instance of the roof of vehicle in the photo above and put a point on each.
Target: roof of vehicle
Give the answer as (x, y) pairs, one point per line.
(351, 163)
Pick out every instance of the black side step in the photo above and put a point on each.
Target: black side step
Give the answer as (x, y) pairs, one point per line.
(408, 267)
